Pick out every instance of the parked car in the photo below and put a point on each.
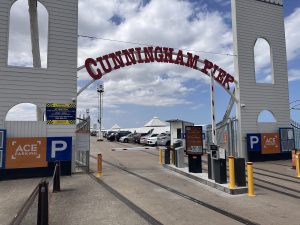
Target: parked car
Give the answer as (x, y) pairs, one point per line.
(164, 139)
(121, 134)
(108, 133)
(127, 138)
(137, 137)
(94, 133)
(111, 136)
(144, 139)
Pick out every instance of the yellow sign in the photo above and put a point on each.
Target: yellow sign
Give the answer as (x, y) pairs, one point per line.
(26, 153)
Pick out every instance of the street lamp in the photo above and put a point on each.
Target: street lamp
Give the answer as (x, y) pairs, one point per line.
(100, 90)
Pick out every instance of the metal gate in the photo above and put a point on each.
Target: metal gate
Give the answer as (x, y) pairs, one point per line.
(296, 127)
(82, 156)
(226, 134)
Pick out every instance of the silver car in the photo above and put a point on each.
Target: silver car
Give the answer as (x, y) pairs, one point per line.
(164, 140)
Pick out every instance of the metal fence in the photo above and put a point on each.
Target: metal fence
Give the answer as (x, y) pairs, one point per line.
(83, 145)
(226, 136)
(296, 127)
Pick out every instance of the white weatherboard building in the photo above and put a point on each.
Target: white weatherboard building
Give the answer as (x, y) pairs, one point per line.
(251, 20)
(57, 83)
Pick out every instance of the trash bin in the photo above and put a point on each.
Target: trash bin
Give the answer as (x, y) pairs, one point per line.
(179, 153)
(220, 171)
(240, 172)
(195, 163)
(219, 165)
(167, 155)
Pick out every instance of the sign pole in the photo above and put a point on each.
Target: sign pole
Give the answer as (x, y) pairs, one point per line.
(100, 90)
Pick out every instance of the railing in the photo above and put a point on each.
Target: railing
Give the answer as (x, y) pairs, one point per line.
(296, 127)
(42, 191)
(226, 134)
(82, 155)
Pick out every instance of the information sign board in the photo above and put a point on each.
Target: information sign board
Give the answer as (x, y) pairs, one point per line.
(60, 113)
(194, 140)
(25, 153)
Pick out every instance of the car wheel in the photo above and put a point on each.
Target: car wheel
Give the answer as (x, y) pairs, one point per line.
(125, 140)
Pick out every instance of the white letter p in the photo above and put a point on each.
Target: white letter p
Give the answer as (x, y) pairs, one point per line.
(253, 140)
(55, 148)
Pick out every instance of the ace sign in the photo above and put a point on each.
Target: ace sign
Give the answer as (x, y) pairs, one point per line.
(270, 143)
(25, 153)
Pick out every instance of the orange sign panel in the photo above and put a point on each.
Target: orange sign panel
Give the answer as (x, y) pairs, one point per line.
(26, 153)
(270, 143)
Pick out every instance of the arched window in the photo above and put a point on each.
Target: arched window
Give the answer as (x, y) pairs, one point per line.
(266, 116)
(24, 112)
(28, 24)
(263, 62)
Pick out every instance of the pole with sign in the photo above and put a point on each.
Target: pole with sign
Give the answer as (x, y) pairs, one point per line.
(100, 91)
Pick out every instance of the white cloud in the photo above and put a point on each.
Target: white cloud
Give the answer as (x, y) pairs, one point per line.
(292, 24)
(294, 74)
(159, 23)
(20, 53)
(22, 112)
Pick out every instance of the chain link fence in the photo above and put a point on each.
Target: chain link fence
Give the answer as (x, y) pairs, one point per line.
(226, 134)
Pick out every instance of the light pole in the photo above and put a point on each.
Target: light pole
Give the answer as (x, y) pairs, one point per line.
(100, 90)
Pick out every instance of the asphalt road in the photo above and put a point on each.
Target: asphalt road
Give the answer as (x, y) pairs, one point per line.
(136, 189)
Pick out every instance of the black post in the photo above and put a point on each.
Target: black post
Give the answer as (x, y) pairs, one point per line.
(167, 155)
(43, 204)
(56, 181)
(240, 172)
(209, 167)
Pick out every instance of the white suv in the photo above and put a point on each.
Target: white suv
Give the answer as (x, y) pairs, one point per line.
(152, 139)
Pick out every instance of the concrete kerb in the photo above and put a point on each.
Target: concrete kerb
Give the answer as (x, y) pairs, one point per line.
(203, 178)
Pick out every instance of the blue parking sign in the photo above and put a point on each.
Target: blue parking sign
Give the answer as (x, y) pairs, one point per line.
(254, 142)
(59, 149)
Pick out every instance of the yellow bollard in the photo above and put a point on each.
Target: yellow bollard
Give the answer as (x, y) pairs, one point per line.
(250, 179)
(160, 156)
(173, 156)
(231, 173)
(298, 164)
(99, 161)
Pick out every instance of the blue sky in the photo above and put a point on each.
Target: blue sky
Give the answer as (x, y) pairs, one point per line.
(135, 94)
(129, 108)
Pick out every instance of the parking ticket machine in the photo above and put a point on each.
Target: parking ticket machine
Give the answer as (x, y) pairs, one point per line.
(219, 165)
(212, 154)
